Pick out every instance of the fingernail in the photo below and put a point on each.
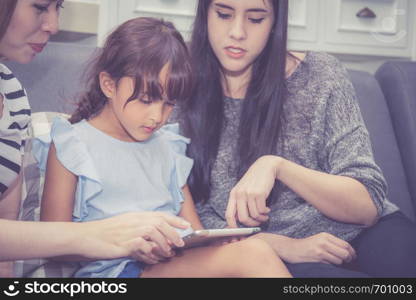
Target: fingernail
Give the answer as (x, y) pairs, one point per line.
(185, 223)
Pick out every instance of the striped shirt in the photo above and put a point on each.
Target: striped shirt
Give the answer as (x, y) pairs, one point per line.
(13, 127)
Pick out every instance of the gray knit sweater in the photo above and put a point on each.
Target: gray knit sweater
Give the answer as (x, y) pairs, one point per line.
(322, 130)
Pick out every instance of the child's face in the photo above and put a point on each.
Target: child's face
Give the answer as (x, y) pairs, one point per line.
(139, 119)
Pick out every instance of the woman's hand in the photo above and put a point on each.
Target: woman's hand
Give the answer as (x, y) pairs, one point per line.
(322, 247)
(247, 201)
(146, 236)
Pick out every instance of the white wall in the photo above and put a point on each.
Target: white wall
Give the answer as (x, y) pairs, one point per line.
(80, 16)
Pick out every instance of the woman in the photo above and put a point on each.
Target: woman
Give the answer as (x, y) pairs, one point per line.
(278, 141)
(25, 28)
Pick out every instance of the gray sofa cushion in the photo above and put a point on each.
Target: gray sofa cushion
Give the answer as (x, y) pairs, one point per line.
(398, 82)
(53, 79)
(386, 153)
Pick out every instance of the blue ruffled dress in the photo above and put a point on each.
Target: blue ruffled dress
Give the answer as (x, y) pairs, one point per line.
(115, 177)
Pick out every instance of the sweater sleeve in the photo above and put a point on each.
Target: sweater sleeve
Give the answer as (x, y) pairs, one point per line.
(347, 150)
(208, 216)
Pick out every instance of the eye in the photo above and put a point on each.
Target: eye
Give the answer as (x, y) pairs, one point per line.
(170, 103)
(223, 16)
(145, 100)
(41, 8)
(256, 21)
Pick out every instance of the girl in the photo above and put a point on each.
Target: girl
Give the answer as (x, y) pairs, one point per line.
(25, 29)
(280, 143)
(118, 158)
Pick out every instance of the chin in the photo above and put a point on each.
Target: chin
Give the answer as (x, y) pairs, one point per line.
(23, 59)
(235, 70)
(141, 138)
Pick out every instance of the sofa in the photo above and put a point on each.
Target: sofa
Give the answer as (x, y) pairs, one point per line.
(397, 80)
(54, 78)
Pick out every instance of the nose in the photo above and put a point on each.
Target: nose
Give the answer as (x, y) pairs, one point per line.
(51, 22)
(156, 112)
(238, 30)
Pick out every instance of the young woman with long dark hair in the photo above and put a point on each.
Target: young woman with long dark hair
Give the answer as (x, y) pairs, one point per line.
(278, 141)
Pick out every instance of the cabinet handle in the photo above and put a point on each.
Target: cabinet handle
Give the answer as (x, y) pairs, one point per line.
(366, 13)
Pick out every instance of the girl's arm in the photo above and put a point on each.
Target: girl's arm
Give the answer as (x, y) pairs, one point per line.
(58, 194)
(338, 197)
(188, 211)
(59, 191)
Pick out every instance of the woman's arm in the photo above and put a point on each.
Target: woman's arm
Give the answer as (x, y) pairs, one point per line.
(322, 247)
(338, 197)
(59, 191)
(188, 211)
(131, 234)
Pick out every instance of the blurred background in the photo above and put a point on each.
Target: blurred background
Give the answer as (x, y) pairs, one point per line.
(361, 33)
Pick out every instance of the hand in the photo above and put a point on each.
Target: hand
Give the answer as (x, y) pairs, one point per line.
(247, 201)
(146, 236)
(322, 247)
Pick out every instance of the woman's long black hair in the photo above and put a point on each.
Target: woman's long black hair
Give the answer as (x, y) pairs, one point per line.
(261, 113)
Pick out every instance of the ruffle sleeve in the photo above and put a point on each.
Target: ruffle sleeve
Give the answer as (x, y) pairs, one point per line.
(182, 163)
(74, 156)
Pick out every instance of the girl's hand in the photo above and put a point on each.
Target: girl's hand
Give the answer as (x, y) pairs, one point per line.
(322, 247)
(247, 201)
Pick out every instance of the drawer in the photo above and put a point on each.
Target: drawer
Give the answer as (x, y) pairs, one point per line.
(368, 23)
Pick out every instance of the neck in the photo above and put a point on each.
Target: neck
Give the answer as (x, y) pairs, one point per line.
(235, 83)
(108, 123)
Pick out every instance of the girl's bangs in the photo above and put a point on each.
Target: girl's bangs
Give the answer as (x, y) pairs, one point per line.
(177, 87)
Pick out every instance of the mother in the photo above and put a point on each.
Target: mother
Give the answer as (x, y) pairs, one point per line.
(278, 141)
(25, 28)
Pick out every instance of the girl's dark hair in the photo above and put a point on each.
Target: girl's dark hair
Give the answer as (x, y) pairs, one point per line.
(139, 48)
(262, 109)
(7, 8)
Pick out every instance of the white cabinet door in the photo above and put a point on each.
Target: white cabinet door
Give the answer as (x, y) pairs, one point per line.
(303, 23)
(361, 26)
(180, 12)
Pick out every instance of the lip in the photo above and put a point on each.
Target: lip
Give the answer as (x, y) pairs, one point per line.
(231, 52)
(149, 129)
(38, 48)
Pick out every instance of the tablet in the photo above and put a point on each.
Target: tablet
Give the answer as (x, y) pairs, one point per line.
(201, 237)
